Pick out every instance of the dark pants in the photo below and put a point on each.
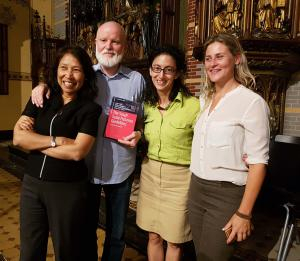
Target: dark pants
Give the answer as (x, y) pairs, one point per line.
(117, 202)
(211, 204)
(58, 207)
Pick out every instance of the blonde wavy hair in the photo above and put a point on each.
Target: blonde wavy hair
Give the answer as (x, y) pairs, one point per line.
(242, 73)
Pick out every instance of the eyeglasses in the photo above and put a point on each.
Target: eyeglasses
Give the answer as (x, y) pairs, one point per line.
(167, 70)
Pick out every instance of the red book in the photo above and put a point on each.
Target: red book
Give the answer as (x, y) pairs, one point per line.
(121, 118)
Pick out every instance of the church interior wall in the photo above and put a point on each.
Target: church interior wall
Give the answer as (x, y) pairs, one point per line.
(18, 63)
(19, 58)
(11, 105)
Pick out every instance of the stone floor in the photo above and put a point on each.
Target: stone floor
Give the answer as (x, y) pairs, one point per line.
(9, 217)
(262, 245)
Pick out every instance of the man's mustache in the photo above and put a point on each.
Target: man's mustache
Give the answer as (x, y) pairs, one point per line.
(109, 53)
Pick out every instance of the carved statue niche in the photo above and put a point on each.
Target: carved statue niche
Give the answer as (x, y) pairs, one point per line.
(265, 14)
(227, 16)
(271, 19)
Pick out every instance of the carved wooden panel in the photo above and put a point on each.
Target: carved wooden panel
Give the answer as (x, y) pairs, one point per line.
(227, 16)
(274, 19)
(146, 24)
(272, 88)
(82, 14)
(169, 22)
(269, 33)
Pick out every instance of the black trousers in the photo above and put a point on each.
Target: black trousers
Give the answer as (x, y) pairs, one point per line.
(211, 204)
(58, 207)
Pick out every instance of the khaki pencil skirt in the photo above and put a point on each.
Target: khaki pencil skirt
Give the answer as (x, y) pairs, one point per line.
(162, 201)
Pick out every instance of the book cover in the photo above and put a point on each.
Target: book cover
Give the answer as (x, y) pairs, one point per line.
(121, 118)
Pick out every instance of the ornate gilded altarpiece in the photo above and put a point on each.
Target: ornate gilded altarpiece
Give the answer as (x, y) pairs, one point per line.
(269, 31)
(147, 23)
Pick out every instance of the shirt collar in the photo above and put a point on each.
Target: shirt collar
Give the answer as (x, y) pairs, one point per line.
(122, 70)
(179, 98)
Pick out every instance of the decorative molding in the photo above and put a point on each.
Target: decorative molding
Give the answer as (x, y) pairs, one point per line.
(19, 76)
(7, 15)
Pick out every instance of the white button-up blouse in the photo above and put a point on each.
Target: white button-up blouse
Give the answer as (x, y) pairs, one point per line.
(238, 125)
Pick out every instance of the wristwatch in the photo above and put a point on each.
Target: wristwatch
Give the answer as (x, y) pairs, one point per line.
(53, 142)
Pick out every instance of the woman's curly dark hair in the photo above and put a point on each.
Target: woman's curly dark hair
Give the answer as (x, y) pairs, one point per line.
(89, 90)
(151, 95)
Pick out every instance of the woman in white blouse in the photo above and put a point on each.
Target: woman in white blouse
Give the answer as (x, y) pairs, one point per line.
(234, 122)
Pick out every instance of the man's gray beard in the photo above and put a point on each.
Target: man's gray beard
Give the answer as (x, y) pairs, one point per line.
(109, 61)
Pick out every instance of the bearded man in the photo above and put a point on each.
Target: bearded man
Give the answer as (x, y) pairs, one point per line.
(111, 163)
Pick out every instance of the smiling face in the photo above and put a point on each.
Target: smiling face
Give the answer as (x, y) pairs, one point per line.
(70, 75)
(219, 63)
(163, 80)
(110, 44)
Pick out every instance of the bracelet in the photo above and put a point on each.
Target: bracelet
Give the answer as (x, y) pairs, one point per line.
(241, 215)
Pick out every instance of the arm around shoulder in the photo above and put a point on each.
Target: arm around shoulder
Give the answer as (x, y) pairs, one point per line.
(38, 93)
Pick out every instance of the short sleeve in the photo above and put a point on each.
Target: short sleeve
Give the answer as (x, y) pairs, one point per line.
(257, 132)
(30, 109)
(89, 122)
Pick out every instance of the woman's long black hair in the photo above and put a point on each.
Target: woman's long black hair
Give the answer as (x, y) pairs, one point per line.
(178, 55)
(88, 91)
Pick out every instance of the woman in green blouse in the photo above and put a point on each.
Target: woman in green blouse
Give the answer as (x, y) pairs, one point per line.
(170, 115)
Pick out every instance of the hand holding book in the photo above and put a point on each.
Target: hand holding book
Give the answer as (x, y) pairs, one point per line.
(121, 120)
(132, 139)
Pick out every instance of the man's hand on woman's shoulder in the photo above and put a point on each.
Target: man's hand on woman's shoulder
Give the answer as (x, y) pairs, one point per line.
(37, 94)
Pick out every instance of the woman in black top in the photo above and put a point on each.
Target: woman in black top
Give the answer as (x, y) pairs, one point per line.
(54, 189)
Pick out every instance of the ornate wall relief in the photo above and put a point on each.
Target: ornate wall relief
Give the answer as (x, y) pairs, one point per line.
(147, 23)
(272, 87)
(228, 16)
(272, 18)
(141, 22)
(269, 31)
